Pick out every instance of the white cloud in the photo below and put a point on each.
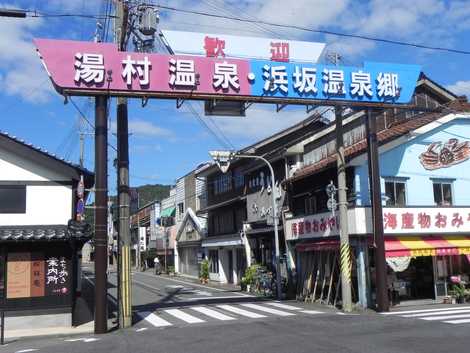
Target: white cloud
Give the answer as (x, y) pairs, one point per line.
(260, 122)
(22, 72)
(143, 128)
(460, 88)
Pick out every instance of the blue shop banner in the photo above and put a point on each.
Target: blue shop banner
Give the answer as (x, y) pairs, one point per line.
(372, 83)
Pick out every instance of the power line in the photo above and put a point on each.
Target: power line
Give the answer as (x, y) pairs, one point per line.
(86, 119)
(319, 31)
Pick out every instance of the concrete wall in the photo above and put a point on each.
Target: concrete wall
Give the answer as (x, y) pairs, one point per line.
(45, 204)
(403, 162)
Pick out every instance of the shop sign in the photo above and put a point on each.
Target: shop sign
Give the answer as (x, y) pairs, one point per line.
(260, 203)
(426, 220)
(230, 46)
(33, 275)
(99, 68)
(445, 154)
(315, 226)
(412, 221)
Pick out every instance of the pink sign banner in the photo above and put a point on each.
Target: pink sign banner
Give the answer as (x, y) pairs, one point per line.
(100, 67)
(87, 68)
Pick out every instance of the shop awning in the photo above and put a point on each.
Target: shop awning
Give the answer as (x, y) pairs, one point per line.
(332, 244)
(168, 212)
(427, 246)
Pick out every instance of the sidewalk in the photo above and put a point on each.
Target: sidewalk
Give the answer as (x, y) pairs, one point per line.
(83, 322)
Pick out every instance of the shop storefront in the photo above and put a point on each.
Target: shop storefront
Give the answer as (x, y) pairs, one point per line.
(39, 273)
(425, 267)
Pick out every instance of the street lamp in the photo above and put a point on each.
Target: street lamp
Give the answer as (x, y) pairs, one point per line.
(223, 159)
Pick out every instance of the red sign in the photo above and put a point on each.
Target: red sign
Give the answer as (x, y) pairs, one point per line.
(280, 51)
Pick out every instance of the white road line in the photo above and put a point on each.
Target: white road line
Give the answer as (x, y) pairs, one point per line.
(27, 350)
(312, 312)
(464, 321)
(184, 316)
(241, 311)
(211, 298)
(212, 313)
(284, 306)
(154, 319)
(421, 311)
(195, 284)
(268, 310)
(434, 313)
(141, 329)
(447, 317)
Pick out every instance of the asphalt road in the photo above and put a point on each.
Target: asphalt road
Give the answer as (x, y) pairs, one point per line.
(200, 319)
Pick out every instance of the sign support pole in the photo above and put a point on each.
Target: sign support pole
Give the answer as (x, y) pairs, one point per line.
(124, 238)
(101, 211)
(345, 249)
(377, 218)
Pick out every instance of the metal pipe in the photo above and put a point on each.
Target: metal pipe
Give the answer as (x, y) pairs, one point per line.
(276, 232)
(101, 214)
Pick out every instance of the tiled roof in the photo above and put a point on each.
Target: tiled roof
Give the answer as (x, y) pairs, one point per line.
(45, 152)
(383, 137)
(44, 233)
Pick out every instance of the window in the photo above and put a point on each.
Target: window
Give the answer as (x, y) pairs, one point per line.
(180, 211)
(223, 183)
(214, 261)
(442, 193)
(395, 191)
(310, 205)
(13, 199)
(239, 179)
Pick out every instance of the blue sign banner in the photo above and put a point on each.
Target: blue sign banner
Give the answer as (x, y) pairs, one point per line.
(372, 83)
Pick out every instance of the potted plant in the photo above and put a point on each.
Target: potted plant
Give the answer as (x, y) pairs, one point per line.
(170, 270)
(204, 272)
(249, 278)
(459, 292)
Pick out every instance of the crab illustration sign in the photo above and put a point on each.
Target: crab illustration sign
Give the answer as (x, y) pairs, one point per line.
(445, 154)
(85, 68)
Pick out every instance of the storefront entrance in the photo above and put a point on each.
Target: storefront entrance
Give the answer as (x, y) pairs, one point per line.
(416, 282)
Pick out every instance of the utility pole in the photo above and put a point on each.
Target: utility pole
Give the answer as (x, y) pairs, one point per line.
(101, 210)
(124, 237)
(377, 218)
(345, 249)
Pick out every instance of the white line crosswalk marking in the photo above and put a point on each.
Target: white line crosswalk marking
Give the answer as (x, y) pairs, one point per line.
(434, 313)
(267, 310)
(446, 317)
(212, 313)
(179, 314)
(240, 311)
(313, 312)
(284, 306)
(464, 321)
(450, 315)
(154, 319)
(421, 311)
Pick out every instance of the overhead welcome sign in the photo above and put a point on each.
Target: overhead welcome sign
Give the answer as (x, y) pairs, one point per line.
(229, 46)
(86, 68)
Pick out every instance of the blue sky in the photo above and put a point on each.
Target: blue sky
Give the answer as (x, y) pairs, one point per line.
(166, 143)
